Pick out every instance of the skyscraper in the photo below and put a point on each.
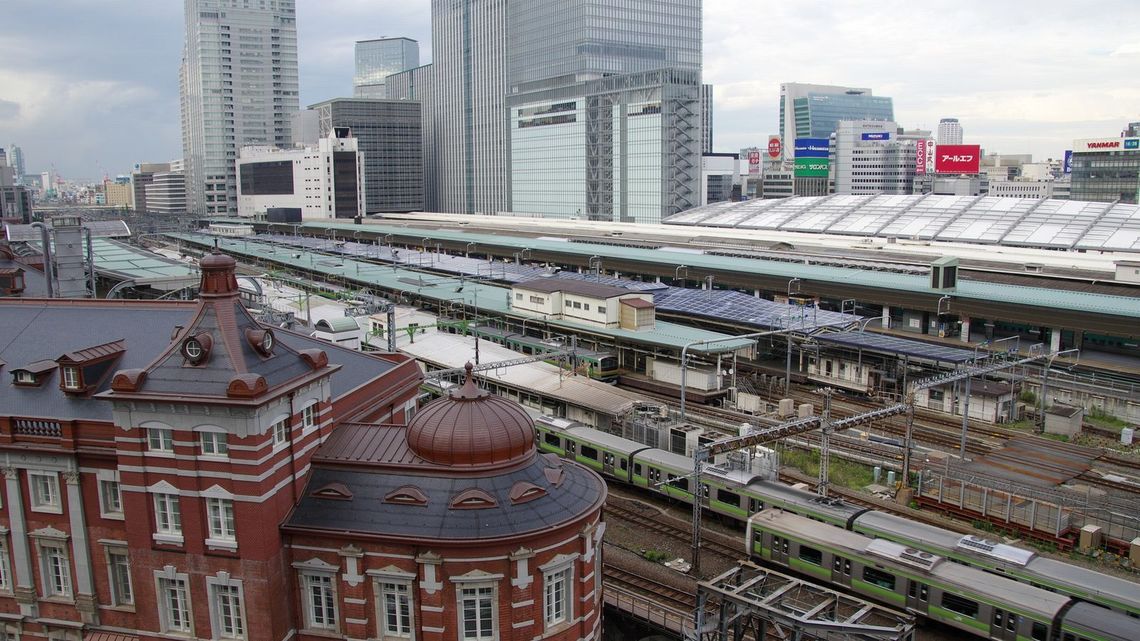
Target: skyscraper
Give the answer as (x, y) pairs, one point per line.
(16, 162)
(238, 86)
(949, 132)
(377, 59)
(499, 61)
(814, 111)
(706, 119)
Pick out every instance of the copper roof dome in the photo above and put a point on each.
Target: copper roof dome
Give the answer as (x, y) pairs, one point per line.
(472, 428)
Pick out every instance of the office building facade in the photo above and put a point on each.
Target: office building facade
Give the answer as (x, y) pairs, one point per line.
(141, 176)
(872, 158)
(377, 59)
(622, 149)
(166, 193)
(325, 181)
(535, 53)
(706, 119)
(16, 162)
(949, 131)
(1106, 170)
(238, 87)
(389, 136)
(814, 111)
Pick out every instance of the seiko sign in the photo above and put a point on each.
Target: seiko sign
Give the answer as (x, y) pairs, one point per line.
(1106, 144)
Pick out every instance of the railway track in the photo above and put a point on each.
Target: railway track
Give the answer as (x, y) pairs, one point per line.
(660, 592)
(657, 525)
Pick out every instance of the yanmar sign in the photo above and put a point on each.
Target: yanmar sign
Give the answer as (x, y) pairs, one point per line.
(1106, 144)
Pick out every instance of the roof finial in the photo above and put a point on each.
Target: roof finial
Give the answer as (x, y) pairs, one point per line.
(469, 390)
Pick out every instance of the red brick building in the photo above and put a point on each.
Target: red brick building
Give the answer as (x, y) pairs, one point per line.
(451, 529)
(151, 450)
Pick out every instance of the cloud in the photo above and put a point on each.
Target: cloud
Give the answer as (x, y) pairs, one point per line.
(9, 110)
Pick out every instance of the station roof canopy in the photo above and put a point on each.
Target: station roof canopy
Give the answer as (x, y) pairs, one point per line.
(897, 346)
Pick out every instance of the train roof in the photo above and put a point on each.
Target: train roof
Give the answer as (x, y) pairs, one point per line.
(1027, 562)
(1098, 583)
(973, 581)
(1105, 623)
(666, 459)
(838, 509)
(609, 441)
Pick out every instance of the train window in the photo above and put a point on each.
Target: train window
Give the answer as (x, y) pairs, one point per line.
(998, 616)
(811, 555)
(1040, 631)
(1070, 637)
(961, 605)
(590, 452)
(552, 439)
(724, 496)
(1011, 622)
(847, 567)
(837, 564)
(755, 505)
(879, 578)
(623, 464)
(913, 589)
(637, 469)
(923, 593)
(704, 490)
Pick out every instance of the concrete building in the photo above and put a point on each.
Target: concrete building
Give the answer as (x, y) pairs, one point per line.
(377, 59)
(324, 181)
(166, 193)
(389, 136)
(778, 183)
(118, 192)
(15, 199)
(949, 131)
(141, 176)
(871, 157)
(238, 85)
(814, 111)
(16, 161)
(1106, 170)
(1022, 188)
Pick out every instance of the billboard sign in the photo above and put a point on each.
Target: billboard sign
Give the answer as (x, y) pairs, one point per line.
(1106, 144)
(920, 158)
(877, 135)
(775, 148)
(1068, 166)
(812, 147)
(812, 167)
(754, 162)
(957, 159)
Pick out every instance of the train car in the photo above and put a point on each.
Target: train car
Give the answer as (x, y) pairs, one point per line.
(601, 366)
(609, 455)
(929, 585)
(664, 472)
(1005, 560)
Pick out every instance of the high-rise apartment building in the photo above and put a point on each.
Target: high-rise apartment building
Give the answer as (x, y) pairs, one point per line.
(949, 131)
(238, 87)
(391, 144)
(814, 111)
(493, 58)
(377, 59)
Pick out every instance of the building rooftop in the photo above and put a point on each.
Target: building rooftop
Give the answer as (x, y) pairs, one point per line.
(570, 286)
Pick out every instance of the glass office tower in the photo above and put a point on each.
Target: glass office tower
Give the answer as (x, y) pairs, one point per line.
(380, 58)
(814, 111)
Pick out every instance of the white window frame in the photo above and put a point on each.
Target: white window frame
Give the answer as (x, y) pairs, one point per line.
(213, 444)
(473, 593)
(398, 593)
(70, 377)
(172, 594)
(160, 439)
(220, 519)
(280, 430)
(55, 569)
(120, 597)
(326, 581)
(5, 564)
(45, 496)
(110, 495)
(167, 517)
(309, 417)
(227, 607)
(557, 609)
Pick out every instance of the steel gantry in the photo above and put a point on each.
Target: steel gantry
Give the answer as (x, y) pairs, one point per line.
(752, 602)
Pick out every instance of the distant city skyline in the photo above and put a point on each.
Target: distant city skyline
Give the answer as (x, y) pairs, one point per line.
(97, 91)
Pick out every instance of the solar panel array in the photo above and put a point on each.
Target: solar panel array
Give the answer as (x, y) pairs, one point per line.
(97, 228)
(888, 344)
(1021, 222)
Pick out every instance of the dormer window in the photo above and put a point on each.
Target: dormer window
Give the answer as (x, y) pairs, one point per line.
(261, 340)
(71, 379)
(24, 377)
(196, 349)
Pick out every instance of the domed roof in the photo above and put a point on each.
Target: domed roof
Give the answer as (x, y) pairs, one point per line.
(472, 428)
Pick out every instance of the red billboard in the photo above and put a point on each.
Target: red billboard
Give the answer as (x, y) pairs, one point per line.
(957, 159)
(754, 162)
(775, 147)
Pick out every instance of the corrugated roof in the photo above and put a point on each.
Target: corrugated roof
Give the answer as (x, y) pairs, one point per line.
(637, 303)
(96, 352)
(580, 287)
(365, 443)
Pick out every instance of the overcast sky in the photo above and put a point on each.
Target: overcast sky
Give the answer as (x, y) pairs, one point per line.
(91, 86)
